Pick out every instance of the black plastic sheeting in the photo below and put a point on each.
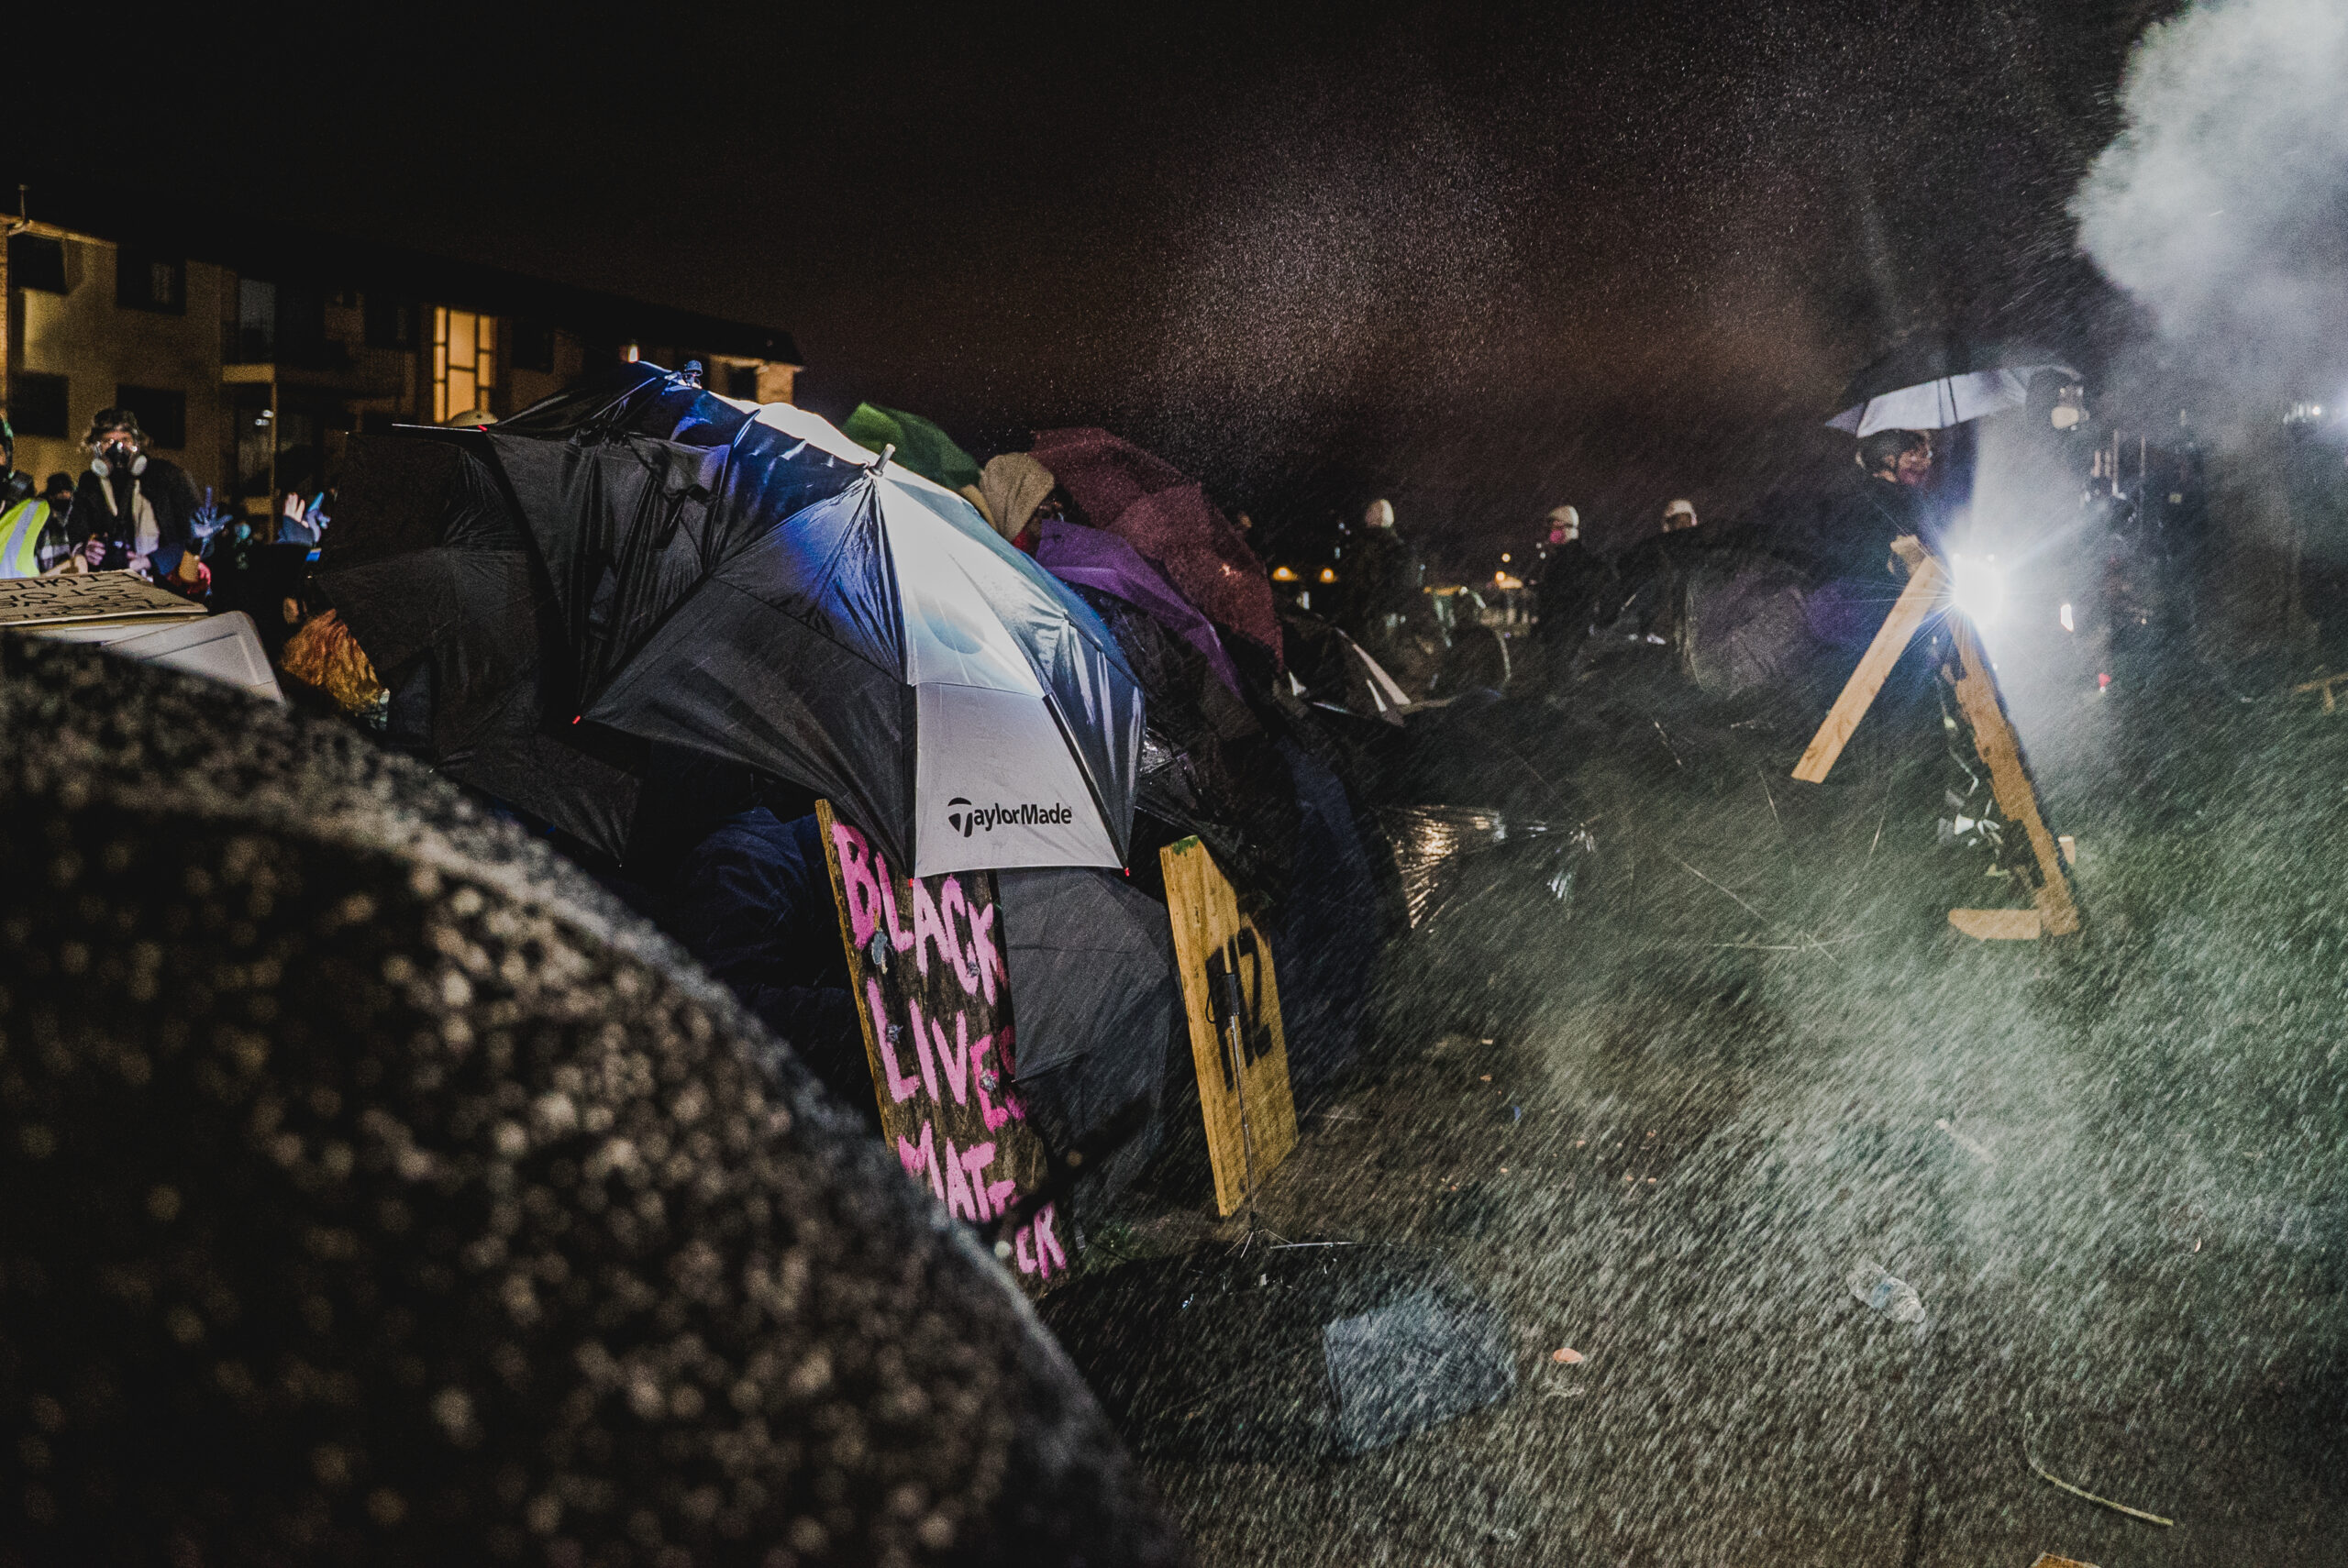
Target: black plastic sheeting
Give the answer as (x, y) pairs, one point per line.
(1449, 857)
(1332, 668)
(1327, 932)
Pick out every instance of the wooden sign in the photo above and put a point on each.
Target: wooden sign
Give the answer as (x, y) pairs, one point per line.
(1236, 1042)
(925, 964)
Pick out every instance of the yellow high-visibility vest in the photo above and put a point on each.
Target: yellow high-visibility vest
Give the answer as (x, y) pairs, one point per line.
(20, 529)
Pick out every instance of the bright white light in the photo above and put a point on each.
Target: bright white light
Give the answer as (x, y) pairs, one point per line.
(1980, 588)
(2067, 619)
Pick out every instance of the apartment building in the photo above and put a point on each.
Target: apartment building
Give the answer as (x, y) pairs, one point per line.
(250, 370)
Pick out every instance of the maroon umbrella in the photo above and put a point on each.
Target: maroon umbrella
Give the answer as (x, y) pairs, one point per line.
(1166, 516)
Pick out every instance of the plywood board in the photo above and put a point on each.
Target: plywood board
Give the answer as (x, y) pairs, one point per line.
(1237, 1044)
(926, 961)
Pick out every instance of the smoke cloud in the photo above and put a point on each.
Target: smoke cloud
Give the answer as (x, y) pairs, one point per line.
(2223, 205)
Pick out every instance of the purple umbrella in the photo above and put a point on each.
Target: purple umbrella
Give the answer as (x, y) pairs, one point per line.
(1095, 558)
(1153, 507)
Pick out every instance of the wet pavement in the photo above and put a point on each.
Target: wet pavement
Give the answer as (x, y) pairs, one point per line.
(2110, 1169)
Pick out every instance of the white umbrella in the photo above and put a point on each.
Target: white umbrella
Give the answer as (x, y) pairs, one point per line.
(886, 647)
(1942, 402)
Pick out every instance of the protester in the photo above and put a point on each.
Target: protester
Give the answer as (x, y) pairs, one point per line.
(129, 503)
(1680, 514)
(1854, 537)
(1855, 582)
(1015, 489)
(24, 516)
(1382, 574)
(57, 539)
(299, 522)
(1573, 581)
(234, 555)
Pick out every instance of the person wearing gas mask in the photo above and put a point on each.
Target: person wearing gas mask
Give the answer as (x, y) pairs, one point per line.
(130, 506)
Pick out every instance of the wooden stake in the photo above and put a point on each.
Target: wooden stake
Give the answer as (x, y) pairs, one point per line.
(1996, 925)
(2323, 683)
(1923, 595)
(2009, 780)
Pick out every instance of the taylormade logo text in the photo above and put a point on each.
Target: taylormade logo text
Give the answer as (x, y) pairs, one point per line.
(966, 819)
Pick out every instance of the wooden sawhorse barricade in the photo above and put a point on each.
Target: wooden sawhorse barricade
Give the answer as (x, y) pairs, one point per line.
(2053, 911)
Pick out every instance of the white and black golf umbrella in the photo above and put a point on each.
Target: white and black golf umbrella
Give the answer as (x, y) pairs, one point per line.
(1932, 384)
(887, 648)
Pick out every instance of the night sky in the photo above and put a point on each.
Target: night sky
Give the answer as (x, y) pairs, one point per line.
(1481, 259)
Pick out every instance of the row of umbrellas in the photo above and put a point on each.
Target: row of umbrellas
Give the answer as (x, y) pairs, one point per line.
(639, 562)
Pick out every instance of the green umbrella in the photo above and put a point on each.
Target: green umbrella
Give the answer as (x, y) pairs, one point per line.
(921, 446)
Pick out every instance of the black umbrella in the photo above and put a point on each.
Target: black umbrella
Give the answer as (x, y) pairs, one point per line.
(636, 489)
(529, 561)
(1099, 1017)
(1207, 764)
(434, 576)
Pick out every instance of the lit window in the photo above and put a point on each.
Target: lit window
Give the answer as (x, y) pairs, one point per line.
(464, 362)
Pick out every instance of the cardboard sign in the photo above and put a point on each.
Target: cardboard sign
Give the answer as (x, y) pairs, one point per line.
(925, 963)
(1236, 1042)
(77, 598)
